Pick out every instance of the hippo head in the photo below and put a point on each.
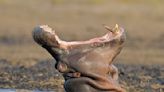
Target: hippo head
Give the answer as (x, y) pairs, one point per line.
(109, 44)
(86, 63)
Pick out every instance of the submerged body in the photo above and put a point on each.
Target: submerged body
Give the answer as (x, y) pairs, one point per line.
(86, 65)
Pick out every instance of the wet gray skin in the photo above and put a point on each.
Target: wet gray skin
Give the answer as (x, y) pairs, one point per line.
(86, 65)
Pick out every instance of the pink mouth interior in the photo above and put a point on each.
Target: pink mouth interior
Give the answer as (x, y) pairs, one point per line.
(64, 44)
(105, 38)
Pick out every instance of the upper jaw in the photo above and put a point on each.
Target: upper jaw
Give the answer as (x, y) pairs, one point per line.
(44, 34)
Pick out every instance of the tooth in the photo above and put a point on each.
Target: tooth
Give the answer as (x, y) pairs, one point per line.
(116, 28)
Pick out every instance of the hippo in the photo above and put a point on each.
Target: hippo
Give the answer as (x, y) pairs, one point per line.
(85, 65)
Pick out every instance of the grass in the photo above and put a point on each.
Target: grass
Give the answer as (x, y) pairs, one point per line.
(81, 20)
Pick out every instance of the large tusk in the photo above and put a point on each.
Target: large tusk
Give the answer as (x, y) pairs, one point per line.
(116, 29)
(116, 26)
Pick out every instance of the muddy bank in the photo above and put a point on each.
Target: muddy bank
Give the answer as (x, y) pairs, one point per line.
(43, 76)
(140, 78)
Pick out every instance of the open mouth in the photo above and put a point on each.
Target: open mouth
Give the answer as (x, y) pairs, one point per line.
(44, 35)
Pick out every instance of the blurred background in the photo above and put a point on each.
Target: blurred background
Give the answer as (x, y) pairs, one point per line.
(143, 21)
(25, 65)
